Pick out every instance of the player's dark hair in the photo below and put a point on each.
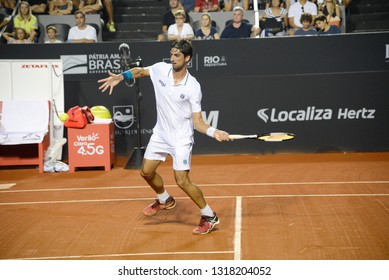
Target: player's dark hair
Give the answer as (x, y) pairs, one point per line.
(184, 46)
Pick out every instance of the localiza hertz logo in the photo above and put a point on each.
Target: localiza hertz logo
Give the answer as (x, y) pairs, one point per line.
(261, 113)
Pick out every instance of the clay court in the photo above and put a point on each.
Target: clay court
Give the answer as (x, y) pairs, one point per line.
(275, 207)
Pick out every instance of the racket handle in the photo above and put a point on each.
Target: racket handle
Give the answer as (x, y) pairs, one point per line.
(239, 136)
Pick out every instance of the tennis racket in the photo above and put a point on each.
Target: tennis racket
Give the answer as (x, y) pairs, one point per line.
(268, 137)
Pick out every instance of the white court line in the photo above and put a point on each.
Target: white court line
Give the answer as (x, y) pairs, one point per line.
(238, 228)
(207, 197)
(125, 255)
(6, 186)
(205, 185)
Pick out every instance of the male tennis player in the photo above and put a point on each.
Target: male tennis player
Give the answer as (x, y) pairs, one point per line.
(178, 100)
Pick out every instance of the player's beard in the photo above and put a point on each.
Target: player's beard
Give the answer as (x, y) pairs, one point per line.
(178, 68)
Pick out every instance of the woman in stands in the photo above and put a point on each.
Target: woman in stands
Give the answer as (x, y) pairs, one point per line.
(180, 30)
(26, 20)
(331, 10)
(275, 20)
(207, 32)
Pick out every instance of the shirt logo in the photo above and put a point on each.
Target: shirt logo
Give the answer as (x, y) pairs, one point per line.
(182, 96)
(162, 83)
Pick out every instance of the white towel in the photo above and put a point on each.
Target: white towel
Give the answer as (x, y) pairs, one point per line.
(24, 122)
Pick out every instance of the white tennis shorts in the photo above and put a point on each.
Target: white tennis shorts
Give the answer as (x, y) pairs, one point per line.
(158, 149)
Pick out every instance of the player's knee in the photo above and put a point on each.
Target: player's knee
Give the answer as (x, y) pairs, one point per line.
(147, 174)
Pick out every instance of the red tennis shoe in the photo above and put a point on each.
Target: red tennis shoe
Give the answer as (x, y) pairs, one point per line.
(156, 207)
(206, 224)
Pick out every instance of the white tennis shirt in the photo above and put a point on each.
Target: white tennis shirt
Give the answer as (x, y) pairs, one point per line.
(175, 104)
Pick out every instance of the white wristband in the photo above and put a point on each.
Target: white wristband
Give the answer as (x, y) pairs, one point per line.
(211, 131)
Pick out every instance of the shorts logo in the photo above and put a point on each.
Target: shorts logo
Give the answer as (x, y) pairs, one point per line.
(182, 96)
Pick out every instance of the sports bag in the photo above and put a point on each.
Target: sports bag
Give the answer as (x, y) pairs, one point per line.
(79, 117)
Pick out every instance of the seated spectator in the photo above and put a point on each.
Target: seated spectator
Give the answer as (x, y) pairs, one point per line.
(60, 7)
(206, 31)
(307, 29)
(19, 36)
(82, 33)
(202, 6)
(331, 10)
(4, 20)
(26, 20)
(52, 35)
(229, 5)
(295, 12)
(107, 7)
(7, 6)
(324, 28)
(90, 6)
(180, 30)
(238, 28)
(168, 19)
(38, 7)
(187, 5)
(275, 21)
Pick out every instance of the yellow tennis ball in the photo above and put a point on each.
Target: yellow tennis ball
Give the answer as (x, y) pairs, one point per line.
(63, 117)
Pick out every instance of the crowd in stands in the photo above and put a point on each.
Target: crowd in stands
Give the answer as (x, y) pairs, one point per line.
(281, 18)
(25, 18)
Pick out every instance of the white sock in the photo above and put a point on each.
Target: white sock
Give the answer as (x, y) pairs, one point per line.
(163, 196)
(207, 211)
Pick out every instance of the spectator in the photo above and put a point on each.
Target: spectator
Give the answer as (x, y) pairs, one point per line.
(331, 10)
(81, 33)
(168, 19)
(229, 5)
(90, 6)
(26, 20)
(4, 20)
(108, 8)
(7, 6)
(238, 28)
(187, 5)
(296, 10)
(60, 7)
(206, 6)
(207, 31)
(307, 29)
(52, 35)
(180, 30)
(323, 26)
(275, 21)
(38, 7)
(21, 37)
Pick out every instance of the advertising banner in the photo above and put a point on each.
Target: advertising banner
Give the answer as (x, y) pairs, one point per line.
(331, 91)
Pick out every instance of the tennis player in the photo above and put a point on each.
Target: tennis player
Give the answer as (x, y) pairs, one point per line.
(178, 101)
